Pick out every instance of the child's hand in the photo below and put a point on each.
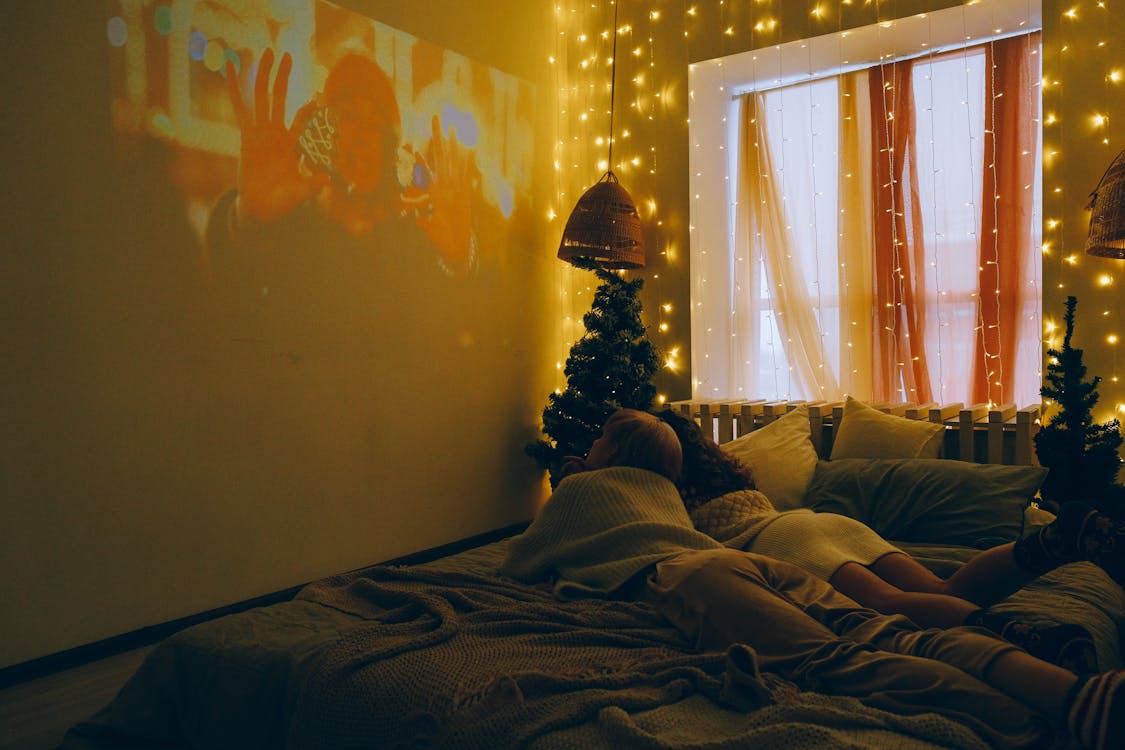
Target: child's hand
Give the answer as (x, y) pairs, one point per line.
(572, 465)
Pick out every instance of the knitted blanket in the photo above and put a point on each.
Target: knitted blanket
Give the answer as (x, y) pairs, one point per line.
(466, 660)
(599, 529)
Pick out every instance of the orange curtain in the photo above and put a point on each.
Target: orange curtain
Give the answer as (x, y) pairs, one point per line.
(901, 373)
(1008, 201)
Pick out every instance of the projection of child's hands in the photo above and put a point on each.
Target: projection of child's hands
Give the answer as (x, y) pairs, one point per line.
(455, 177)
(270, 183)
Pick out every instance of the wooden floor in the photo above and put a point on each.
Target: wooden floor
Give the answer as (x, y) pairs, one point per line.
(34, 715)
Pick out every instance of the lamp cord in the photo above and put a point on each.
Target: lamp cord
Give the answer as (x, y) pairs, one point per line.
(612, 85)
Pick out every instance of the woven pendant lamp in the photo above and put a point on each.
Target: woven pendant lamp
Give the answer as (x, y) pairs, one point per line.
(605, 225)
(1107, 222)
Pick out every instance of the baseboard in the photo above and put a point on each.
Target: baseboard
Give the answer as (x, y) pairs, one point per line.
(107, 647)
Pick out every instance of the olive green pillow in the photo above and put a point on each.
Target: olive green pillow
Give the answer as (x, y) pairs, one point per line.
(931, 501)
(866, 432)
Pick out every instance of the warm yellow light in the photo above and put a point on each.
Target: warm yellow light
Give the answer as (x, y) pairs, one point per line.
(1111, 338)
(1114, 76)
(1071, 259)
(672, 361)
(1105, 279)
(1099, 120)
(1072, 13)
(666, 307)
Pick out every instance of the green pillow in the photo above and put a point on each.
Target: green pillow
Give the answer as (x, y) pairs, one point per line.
(933, 501)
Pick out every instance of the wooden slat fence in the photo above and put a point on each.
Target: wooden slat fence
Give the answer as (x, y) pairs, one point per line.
(1000, 434)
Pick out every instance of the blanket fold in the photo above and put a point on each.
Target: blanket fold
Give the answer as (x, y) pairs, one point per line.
(473, 661)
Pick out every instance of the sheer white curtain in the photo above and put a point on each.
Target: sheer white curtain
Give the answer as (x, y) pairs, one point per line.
(949, 91)
(786, 225)
(802, 318)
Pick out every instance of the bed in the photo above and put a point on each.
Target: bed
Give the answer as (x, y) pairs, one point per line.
(448, 654)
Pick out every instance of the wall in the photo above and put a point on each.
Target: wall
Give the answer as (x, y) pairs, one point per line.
(152, 463)
(1084, 114)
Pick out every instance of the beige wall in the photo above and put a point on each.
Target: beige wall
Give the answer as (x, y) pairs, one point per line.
(1079, 56)
(149, 471)
(142, 479)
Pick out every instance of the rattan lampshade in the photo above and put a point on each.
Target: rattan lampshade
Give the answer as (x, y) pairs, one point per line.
(1107, 222)
(604, 226)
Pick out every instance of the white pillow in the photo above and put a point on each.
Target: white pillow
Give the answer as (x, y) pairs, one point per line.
(781, 456)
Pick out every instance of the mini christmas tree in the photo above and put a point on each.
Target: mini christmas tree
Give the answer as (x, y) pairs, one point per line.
(1082, 456)
(610, 367)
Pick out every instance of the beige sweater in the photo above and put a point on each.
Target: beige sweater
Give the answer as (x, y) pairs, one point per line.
(736, 518)
(601, 528)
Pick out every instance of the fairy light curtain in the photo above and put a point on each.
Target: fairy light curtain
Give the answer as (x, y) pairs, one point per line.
(1009, 258)
(901, 371)
(904, 267)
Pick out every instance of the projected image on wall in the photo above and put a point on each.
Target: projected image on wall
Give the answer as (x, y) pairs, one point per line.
(318, 155)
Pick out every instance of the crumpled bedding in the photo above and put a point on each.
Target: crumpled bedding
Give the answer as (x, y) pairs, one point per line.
(468, 662)
(451, 655)
(1078, 593)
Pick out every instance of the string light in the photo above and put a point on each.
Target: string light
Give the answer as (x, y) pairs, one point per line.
(1072, 134)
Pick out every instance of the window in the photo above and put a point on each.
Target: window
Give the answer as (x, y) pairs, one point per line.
(821, 299)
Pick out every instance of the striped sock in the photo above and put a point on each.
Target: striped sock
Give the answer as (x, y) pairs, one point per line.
(1096, 711)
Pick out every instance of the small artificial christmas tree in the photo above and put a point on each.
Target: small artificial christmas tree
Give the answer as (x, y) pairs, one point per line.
(1082, 456)
(610, 367)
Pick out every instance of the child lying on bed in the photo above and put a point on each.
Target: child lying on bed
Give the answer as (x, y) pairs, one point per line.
(721, 499)
(617, 527)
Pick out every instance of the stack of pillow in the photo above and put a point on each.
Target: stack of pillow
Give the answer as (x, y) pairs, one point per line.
(886, 471)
